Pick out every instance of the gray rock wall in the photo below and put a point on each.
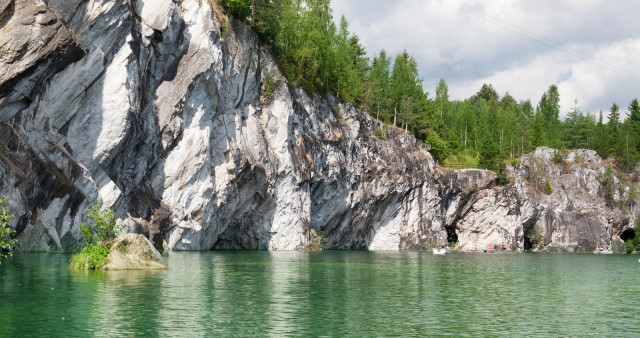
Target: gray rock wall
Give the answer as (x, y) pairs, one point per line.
(157, 109)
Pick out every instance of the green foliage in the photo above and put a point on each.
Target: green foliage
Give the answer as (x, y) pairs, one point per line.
(6, 233)
(630, 245)
(486, 93)
(547, 188)
(317, 240)
(634, 243)
(550, 109)
(92, 257)
(98, 234)
(337, 112)
(536, 237)
(103, 227)
(608, 182)
(269, 84)
(405, 89)
(461, 161)
(633, 193)
(240, 9)
(380, 132)
(502, 174)
(557, 157)
(489, 156)
(439, 148)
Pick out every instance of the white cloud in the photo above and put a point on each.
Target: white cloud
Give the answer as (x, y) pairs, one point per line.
(517, 45)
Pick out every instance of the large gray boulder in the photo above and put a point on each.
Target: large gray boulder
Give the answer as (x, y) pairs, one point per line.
(133, 252)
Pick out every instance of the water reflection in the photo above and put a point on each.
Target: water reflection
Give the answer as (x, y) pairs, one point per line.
(324, 294)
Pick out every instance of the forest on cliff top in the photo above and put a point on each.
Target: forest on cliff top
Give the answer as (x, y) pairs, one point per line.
(483, 131)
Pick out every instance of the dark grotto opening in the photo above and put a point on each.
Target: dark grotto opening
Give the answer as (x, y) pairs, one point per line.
(527, 243)
(452, 235)
(628, 234)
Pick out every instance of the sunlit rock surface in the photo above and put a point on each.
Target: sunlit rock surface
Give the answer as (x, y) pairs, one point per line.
(133, 252)
(153, 108)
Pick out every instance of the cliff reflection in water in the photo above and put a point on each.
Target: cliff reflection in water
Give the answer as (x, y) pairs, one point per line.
(324, 294)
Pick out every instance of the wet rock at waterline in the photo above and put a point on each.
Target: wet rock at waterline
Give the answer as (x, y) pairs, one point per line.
(157, 111)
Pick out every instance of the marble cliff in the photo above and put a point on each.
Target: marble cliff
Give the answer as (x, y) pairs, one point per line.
(157, 108)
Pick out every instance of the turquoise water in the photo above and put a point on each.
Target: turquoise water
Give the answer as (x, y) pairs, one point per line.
(326, 294)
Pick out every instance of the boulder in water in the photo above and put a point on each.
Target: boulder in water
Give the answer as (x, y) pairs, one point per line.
(133, 252)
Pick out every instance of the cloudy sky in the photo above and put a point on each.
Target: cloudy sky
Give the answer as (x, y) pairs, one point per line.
(589, 48)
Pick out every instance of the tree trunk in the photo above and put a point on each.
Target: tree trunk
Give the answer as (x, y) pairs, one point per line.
(465, 133)
(395, 114)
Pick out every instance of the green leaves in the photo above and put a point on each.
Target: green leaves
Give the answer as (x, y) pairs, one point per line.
(98, 234)
(6, 233)
(240, 9)
(92, 257)
(103, 229)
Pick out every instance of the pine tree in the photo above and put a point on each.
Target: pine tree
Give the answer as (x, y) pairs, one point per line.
(550, 109)
(537, 132)
(379, 85)
(404, 81)
(613, 131)
(634, 119)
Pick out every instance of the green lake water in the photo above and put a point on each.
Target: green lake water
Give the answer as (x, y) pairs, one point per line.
(348, 293)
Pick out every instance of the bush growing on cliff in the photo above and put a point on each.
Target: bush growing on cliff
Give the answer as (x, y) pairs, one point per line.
(6, 233)
(269, 85)
(547, 188)
(240, 9)
(97, 234)
(557, 157)
(317, 240)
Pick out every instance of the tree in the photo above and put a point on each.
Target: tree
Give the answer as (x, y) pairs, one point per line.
(486, 93)
(634, 120)
(634, 111)
(547, 188)
(6, 233)
(550, 109)
(241, 9)
(404, 81)
(97, 234)
(574, 120)
(379, 84)
(537, 132)
(613, 131)
(442, 99)
(489, 154)
(439, 148)
(609, 185)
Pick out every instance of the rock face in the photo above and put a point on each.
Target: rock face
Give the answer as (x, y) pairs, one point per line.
(156, 107)
(576, 217)
(133, 252)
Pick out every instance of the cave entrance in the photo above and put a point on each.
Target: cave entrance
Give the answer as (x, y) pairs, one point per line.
(452, 235)
(628, 234)
(527, 242)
